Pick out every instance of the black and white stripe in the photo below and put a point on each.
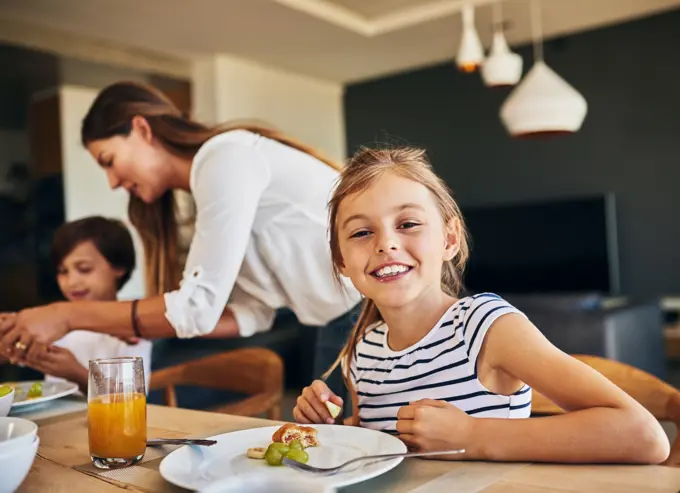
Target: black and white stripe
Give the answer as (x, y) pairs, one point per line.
(440, 366)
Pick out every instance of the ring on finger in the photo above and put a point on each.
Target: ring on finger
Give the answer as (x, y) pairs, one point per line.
(20, 346)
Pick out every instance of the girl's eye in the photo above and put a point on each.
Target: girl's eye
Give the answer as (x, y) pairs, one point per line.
(408, 225)
(360, 234)
(84, 270)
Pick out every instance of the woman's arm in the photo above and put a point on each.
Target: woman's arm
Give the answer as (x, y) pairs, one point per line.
(37, 328)
(229, 181)
(115, 318)
(603, 424)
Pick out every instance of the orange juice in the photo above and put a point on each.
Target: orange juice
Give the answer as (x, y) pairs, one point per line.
(117, 425)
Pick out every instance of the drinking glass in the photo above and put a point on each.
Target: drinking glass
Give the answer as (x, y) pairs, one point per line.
(116, 412)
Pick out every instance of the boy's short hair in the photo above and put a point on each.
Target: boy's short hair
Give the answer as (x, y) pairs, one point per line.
(110, 237)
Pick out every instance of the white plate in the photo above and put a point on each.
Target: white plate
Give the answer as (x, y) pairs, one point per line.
(195, 467)
(51, 390)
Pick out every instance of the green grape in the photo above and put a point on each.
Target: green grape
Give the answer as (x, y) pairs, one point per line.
(282, 447)
(296, 445)
(36, 390)
(298, 455)
(4, 390)
(275, 452)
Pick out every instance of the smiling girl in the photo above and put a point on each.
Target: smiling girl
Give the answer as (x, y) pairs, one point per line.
(445, 371)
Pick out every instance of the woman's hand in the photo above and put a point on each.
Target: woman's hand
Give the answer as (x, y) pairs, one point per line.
(60, 362)
(429, 425)
(29, 332)
(311, 405)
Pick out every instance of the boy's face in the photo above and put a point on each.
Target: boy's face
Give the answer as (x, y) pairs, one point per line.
(85, 274)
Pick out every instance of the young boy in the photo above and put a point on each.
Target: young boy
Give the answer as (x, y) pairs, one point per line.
(94, 257)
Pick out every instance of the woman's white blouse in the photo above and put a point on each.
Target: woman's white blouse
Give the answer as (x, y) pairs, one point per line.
(261, 239)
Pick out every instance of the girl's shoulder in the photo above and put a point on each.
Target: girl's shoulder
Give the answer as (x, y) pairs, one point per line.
(479, 300)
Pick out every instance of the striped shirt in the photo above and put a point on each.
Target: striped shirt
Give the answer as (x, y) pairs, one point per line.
(441, 366)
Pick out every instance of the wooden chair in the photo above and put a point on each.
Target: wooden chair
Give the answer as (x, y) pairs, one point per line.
(658, 397)
(257, 372)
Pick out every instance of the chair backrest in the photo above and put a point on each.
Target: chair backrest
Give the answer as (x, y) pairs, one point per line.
(659, 398)
(256, 372)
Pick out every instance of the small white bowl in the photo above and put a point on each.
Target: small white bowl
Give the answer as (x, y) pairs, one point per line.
(253, 483)
(16, 433)
(15, 464)
(6, 403)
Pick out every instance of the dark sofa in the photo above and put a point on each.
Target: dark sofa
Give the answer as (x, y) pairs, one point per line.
(630, 332)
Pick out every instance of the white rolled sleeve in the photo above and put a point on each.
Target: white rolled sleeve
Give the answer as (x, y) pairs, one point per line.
(252, 316)
(228, 179)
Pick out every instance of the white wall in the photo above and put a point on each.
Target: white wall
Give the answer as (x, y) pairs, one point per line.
(228, 88)
(75, 72)
(86, 190)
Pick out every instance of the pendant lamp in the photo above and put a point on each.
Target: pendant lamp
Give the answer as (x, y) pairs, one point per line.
(470, 52)
(502, 68)
(543, 104)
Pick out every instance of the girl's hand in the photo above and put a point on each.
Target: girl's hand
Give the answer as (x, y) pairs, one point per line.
(429, 425)
(60, 362)
(311, 405)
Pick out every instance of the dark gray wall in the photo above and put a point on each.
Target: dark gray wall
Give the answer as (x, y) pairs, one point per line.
(629, 143)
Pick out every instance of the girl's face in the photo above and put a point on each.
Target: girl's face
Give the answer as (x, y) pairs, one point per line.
(85, 274)
(135, 162)
(393, 241)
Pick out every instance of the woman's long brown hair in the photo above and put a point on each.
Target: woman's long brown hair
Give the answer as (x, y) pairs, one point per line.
(111, 114)
(362, 170)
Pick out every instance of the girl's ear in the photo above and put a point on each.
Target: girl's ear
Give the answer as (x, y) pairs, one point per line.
(451, 237)
(119, 273)
(341, 268)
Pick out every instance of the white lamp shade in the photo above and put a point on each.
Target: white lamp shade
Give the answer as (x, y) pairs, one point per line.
(544, 103)
(470, 52)
(502, 67)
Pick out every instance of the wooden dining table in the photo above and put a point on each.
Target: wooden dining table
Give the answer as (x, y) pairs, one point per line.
(62, 464)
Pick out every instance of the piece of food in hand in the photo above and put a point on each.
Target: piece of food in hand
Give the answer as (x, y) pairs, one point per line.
(333, 408)
(256, 452)
(289, 432)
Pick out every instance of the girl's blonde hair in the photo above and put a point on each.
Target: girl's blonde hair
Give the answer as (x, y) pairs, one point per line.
(362, 170)
(111, 114)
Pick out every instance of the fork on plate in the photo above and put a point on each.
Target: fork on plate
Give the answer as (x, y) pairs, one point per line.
(329, 471)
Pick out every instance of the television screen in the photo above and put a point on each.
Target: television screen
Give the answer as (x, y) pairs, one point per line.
(561, 246)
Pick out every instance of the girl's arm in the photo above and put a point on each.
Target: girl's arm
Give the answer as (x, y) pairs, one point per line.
(603, 423)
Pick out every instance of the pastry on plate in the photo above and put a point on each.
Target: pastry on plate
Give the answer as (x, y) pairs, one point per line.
(289, 432)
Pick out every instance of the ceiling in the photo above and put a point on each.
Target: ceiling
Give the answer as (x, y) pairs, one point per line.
(372, 9)
(338, 40)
